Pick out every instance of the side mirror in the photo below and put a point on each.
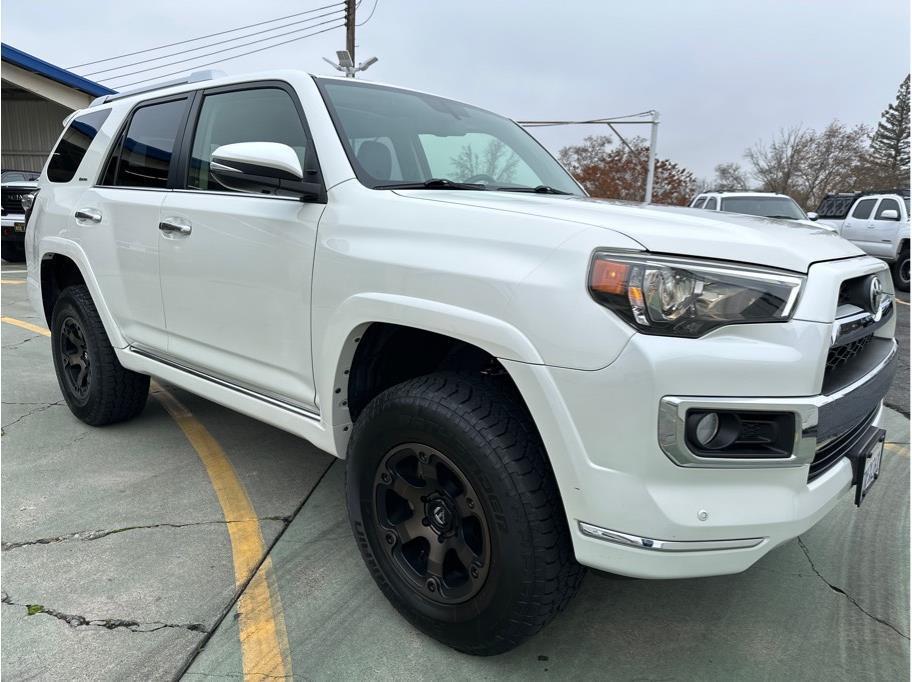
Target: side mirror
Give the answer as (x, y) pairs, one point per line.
(812, 215)
(262, 168)
(889, 214)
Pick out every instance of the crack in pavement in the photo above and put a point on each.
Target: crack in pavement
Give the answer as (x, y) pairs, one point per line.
(77, 621)
(845, 594)
(42, 408)
(87, 535)
(11, 346)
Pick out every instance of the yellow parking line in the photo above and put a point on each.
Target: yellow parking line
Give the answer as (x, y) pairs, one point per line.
(25, 325)
(899, 300)
(264, 641)
(901, 449)
(12, 281)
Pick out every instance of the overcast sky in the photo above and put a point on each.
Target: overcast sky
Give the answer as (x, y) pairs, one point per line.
(723, 73)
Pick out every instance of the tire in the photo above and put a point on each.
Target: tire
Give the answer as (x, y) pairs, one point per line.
(96, 387)
(12, 252)
(470, 445)
(900, 270)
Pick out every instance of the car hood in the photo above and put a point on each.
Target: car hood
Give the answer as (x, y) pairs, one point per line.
(672, 229)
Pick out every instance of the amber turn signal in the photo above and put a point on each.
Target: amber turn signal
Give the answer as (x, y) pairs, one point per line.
(609, 277)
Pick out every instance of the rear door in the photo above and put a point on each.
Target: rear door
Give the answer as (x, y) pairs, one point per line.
(855, 228)
(237, 283)
(118, 218)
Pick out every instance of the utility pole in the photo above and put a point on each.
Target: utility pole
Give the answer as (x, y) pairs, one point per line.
(650, 171)
(350, 32)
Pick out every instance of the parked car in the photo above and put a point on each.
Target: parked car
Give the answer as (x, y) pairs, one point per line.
(12, 220)
(765, 204)
(876, 222)
(522, 380)
(10, 175)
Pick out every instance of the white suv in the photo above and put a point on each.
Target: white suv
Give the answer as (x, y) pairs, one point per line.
(522, 380)
(764, 204)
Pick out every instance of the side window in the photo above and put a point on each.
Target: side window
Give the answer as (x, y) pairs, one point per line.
(863, 209)
(699, 202)
(73, 146)
(711, 204)
(886, 205)
(258, 115)
(142, 157)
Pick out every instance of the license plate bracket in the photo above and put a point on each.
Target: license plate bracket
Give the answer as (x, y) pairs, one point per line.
(866, 462)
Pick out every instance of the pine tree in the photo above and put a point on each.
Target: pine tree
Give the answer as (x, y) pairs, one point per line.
(890, 144)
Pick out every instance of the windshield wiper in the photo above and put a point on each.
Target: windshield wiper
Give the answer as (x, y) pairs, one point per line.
(541, 189)
(784, 217)
(433, 183)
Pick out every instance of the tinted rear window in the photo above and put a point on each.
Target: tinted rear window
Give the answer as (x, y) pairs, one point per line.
(72, 147)
(142, 158)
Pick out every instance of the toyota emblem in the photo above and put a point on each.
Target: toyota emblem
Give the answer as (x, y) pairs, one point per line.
(875, 294)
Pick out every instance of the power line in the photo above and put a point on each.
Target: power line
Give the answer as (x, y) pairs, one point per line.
(219, 61)
(209, 35)
(226, 49)
(219, 42)
(373, 9)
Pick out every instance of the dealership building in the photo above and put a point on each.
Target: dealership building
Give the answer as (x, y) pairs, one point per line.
(36, 96)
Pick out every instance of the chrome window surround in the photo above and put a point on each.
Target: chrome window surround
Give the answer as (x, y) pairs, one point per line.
(673, 411)
(664, 545)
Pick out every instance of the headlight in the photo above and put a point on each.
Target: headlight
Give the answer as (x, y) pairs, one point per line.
(683, 297)
(28, 199)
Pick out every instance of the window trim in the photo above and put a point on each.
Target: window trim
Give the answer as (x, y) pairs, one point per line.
(192, 123)
(121, 134)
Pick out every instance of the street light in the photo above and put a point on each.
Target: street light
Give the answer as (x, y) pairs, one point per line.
(347, 66)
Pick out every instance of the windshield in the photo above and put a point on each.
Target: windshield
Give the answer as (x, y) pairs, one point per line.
(768, 207)
(396, 137)
(19, 176)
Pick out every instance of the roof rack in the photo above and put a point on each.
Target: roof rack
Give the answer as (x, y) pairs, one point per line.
(903, 192)
(195, 77)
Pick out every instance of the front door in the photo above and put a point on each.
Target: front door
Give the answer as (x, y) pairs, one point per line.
(855, 228)
(236, 276)
(883, 230)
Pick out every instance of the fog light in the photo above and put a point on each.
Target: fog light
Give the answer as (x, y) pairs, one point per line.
(707, 428)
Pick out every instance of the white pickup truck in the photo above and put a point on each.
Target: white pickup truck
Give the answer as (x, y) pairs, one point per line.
(522, 380)
(876, 222)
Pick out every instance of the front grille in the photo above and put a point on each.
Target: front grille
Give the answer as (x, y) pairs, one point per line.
(832, 451)
(11, 200)
(841, 355)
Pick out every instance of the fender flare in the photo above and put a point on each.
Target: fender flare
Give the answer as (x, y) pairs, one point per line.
(54, 246)
(349, 321)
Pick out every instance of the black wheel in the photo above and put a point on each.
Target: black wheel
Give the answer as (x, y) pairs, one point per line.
(457, 514)
(12, 252)
(900, 269)
(96, 387)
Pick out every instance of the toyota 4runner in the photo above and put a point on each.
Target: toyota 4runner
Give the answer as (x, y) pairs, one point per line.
(522, 380)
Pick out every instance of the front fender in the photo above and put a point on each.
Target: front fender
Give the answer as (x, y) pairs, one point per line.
(353, 316)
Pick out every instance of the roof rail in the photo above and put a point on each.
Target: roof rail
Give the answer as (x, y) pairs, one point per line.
(195, 77)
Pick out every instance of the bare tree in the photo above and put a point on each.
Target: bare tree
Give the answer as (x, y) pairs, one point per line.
(496, 161)
(805, 164)
(730, 176)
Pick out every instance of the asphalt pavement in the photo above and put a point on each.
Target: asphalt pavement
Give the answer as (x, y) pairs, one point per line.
(121, 561)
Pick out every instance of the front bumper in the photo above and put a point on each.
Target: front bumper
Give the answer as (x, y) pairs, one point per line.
(632, 509)
(8, 229)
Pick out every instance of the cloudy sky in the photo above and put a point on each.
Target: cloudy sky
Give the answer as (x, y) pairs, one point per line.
(723, 73)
